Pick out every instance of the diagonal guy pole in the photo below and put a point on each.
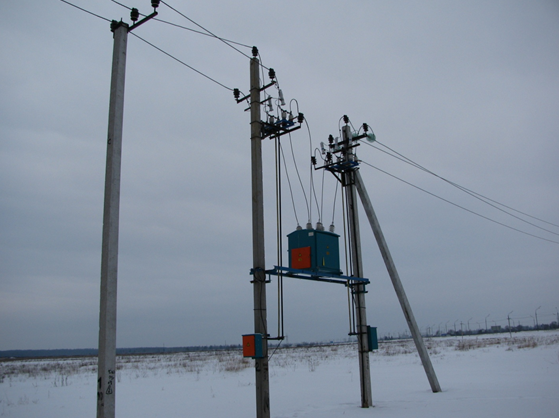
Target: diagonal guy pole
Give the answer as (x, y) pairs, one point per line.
(391, 267)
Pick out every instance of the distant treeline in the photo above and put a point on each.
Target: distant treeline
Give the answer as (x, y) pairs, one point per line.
(81, 352)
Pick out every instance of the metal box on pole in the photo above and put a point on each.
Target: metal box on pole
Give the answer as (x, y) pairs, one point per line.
(252, 346)
(372, 338)
(314, 250)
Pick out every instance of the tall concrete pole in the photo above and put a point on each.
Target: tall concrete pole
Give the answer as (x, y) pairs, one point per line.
(106, 378)
(358, 290)
(391, 267)
(258, 256)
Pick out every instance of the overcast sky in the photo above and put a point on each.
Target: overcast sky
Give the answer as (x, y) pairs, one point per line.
(467, 89)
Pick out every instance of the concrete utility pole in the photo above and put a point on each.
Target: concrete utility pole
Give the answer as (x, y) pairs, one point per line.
(258, 255)
(106, 367)
(358, 290)
(106, 378)
(391, 267)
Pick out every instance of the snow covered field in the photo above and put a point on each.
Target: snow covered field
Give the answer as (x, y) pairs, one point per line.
(491, 376)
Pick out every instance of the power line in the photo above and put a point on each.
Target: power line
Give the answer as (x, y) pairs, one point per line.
(300, 181)
(203, 28)
(458, 206)
(289, 183)
(472, 193)
(87, 11)
(182, 62)
(183, 27)
(312, 190)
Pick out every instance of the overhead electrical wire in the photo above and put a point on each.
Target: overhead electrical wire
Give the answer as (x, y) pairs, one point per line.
(289, 184)
(334, 205)
(182, 62)
(459, 206)
(476, 195)
(152, 45)
(183, 27)
(312, 188)
(84, 10)
(299, 177)
(203, 28)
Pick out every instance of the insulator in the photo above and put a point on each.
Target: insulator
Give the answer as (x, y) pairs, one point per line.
(366, 127)
(313, 160)
(309, 225)
(236, 93)
(254, 51)
(319, 226)
(134, 15)
(284, 115)
(300, 118)
(299, 227)
(291, 117)
(328, 156)
(330, 139)
(332, 227)
(322, 149)
(346, 119)
(155, 3)
(282, 101)
(270, 107)
(272, 74)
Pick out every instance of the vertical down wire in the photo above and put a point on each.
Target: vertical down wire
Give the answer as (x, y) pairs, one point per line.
(279, 235)
(289, 184)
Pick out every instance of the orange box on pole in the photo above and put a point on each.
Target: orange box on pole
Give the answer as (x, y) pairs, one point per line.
(252, 345)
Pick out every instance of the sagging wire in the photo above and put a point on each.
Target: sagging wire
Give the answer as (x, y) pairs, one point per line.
(311, 180)
(183, 27)
(476, 195)
(459, 206)
(275, 110)
(334, 205)
(299, 177)
(289, 184)
(86, 11)
(182, 62)
(208, 31)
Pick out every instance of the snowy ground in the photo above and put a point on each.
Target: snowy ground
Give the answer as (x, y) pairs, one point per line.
(481, 377)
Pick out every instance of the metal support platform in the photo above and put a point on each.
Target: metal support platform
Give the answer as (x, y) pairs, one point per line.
(316, 276)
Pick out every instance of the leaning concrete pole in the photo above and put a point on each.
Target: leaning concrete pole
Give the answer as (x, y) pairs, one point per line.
(391, 267)
(106, 378)
(259, 264)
